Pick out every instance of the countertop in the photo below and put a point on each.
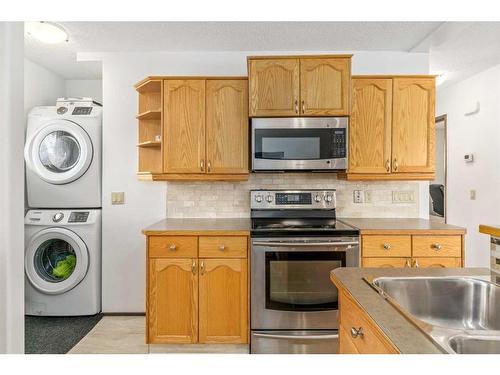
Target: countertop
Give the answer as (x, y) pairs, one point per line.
(234, 226)
(403, 334)
(399, 226)
(492, 230)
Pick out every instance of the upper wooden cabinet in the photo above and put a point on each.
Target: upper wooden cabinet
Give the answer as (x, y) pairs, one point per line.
(392, 128)
(227, 126)
(299, 85)
(184, 126)
(199, 131)
(413, 133)
(274, 87)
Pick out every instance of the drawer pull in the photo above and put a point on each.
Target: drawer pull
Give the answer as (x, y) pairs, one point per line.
(387, 246)
(357, 332)
(172, 247)
(222, 247)
(436, 246)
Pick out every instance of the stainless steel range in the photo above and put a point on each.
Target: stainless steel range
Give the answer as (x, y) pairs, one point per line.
(296, 241)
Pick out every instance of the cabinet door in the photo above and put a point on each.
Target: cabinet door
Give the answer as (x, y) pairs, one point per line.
(227, 126)
(413, 127)
(173, 301)
(386, 262)
(437, 262)
(370, 126)
(273, 87)
(325, 86)
(223, 301)
(184, 126)
(346, 346)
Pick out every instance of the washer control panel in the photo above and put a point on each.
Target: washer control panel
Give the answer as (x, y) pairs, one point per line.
(78, 217)
(82, 111)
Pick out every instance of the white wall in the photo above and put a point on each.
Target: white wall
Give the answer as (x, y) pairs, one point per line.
(478, 134)
(123, 243)
(41, 86)
(11, 192)
(84, 87)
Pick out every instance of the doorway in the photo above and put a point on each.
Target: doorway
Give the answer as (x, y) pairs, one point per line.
(437, 187)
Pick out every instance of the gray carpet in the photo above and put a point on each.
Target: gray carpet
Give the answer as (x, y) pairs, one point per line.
(56, 335)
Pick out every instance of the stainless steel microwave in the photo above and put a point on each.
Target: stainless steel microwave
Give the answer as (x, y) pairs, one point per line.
(299, 144)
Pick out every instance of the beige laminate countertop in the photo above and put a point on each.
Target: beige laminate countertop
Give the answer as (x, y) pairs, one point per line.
(401, 226)
(492, 230)
(403, 334)
(228, 226)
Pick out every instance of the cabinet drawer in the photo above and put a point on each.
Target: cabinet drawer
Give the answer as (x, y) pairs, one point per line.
(372, 341)
(386, 246)
(173, 246)
(434, 262)
(437, 246)
(223, 246)
(386, 262)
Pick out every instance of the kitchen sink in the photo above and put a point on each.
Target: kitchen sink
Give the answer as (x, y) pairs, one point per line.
(460, 314)
(457, 303)
(475, 345)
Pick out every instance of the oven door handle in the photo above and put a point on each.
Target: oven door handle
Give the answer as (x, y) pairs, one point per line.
(297, 337)
(308, 244)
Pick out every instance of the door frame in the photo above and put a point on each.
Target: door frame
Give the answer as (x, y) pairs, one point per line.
(444, 119)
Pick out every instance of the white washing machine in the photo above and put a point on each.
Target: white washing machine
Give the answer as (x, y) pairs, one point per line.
(63, 262)
(63, 155)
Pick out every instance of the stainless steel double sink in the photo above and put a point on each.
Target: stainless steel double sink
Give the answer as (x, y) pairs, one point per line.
(461, 314)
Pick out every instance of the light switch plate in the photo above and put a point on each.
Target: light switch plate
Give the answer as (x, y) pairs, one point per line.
(404, 196)
(358, 196)
(472, 195)
(117, 197)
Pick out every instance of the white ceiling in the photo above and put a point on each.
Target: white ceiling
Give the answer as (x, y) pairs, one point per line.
(458, 48)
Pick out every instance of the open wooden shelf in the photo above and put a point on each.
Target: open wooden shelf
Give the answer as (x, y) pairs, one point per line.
(149, 115)
(149, 85)
(149, 144)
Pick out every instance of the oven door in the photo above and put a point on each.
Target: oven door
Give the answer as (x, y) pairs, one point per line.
(291, 286)
(299, 143)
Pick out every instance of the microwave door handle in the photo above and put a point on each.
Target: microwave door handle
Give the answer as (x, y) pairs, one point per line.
(308, 244)
(296, 337)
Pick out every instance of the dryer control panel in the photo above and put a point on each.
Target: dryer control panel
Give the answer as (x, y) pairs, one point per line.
(82, 111)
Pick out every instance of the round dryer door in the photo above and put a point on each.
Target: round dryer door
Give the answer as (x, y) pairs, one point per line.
(56, 260)
(60, 152)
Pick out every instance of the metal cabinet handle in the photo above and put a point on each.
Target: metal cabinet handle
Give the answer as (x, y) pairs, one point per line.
(436, 246)
(202, 165)
(172, 247)
(388, 165)
(202, 268)
(387, 246)
(209, 165)
(296, 106)
(408, 263)
(303, 106)
(415, 263)
(222, 247)
(357, 332)
(296, 337)
(395, 165)
(193, 267)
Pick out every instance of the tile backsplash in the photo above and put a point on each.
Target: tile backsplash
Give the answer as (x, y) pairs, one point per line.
(232, 199)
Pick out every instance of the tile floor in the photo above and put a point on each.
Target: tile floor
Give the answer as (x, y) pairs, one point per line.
(125, 335)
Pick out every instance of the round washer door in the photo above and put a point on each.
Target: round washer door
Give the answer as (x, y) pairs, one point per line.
(56, 260)
(60, 152)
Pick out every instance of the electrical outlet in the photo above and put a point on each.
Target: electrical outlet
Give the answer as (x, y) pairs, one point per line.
(403, 197)
(358, 196)
(368, 196)
(117, 197)
(472, 194)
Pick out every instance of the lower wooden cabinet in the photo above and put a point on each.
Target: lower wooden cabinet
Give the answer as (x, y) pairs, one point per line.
(197, 299)
(173, 301)
(223, 301)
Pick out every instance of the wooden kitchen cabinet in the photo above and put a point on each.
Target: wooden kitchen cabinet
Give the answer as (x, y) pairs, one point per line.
(392, 128)
(287, 86)
(172, 301)
(197, 290)
(223, 301)
(202, 127)
(412, 250)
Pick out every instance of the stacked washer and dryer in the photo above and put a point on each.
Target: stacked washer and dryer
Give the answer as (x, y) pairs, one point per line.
(63, 224)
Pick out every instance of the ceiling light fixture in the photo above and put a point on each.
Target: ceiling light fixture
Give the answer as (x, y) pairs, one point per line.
(47, 32)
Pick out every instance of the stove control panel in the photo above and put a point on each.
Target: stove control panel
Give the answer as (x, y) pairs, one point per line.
(292, 199)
